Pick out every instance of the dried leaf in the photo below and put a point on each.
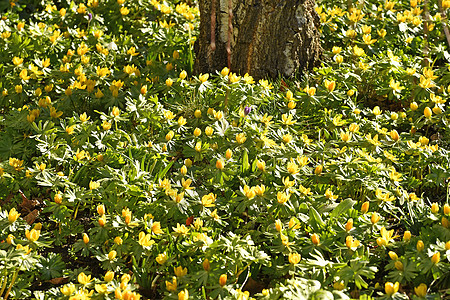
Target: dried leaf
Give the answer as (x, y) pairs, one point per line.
(31, 217)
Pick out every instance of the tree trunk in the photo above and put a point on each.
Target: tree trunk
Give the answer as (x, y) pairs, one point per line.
(259, 37)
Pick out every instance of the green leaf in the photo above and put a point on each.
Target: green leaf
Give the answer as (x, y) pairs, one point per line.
(314, 215)
(342, 207)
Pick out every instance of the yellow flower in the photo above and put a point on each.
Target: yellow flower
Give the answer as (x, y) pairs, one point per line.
(336, 50)
(156, 228)
(436, 257)
(421, 290)
(102, 72)
(180, 229)
(180, 271)
(351, 243)
(183, 295)
(241, 138)
(367, 39)
(426, 83)
(261, 165)
(17, 60)
(311, 91)
(282, 197)
(16, 164)
(172, 286)
(13, 215)
(94, 185)
(292, 167)
(208, 200)
(83, 278)
(345, 136)
(106, 125)
(118, 240)
(24, 75)
(391, 288)
(54, 113)
(146, 241)
(68, 289)
(102, 221)
(358, 51)
(109, 276)
(294, 258)
(203, 77)
(350, 33)
(330, 85)
(169, 135)
(287, 120)
(115, 112)
(112, 255)
(161, 258)
(84, 117)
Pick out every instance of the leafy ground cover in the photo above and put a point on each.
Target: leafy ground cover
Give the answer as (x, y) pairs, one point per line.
(124, 176)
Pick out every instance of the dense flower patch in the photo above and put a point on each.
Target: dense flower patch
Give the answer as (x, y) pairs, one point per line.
(124, 176)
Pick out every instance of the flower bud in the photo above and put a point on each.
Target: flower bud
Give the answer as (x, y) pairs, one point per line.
(278, 225)
(220, 164)
(434, 208)
(427, 112)
(414, 106)
(112, 255)
(318, 170)
(109, 276)
(407, 236)
(206, 265)
(198, 114)
(85, 238)
(58, 198)
(365, 207)
(169, 135)
(394, 135)
(101, 209)
(197, 132)
(228, 154)
(315, 239)
(375, 218)
(338, 285)
(436, 257)
(102, 221)
(349, 225)
(445, 222)
(420, 245)
(183, 170)
(393, 255)
(223, 279)
(446, 209)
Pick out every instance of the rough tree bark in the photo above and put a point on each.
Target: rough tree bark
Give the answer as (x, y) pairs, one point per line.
(259, 37)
